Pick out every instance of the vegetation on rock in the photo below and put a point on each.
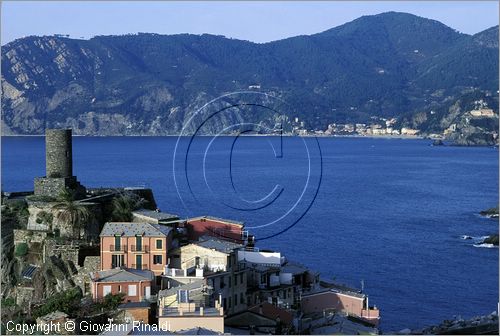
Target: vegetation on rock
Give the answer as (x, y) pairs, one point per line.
(67, 302)
(72, 212)
(21, 249)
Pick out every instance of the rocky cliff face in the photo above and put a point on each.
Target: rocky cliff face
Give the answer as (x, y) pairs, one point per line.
(150, 84)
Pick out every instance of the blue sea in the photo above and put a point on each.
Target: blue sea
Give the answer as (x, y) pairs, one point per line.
(388, 212)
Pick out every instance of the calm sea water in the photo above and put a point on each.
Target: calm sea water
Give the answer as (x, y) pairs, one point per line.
(389, 212)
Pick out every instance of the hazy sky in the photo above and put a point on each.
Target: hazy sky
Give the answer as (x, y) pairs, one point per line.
(254, 21)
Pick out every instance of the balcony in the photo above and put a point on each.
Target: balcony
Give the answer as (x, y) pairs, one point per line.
(140, 266)
(140, 248)
(120, 248)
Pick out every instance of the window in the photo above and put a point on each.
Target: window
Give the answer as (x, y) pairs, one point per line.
(224, 303)
(132, 290)
(138, 243)
(159, 244)
(157, 259)
(117, 260)
(117, 243)
(106, 290)
(229, 283)
(119, 288)
(138, 261)
(242, 298)
(229, 304)
(235, 279)
(235, 299)
(222, 283)
(241, 278)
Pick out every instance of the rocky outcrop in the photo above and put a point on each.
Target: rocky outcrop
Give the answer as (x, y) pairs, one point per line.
(493, 239)
(479, 325)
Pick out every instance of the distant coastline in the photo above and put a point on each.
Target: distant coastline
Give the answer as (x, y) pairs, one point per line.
(229, 135)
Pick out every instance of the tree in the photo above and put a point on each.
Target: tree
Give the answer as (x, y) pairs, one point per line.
(123, 205)
(72, 212)
(21, 249)
(67, 302)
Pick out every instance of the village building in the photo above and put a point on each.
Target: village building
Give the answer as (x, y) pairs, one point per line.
(135, 245)
(154, 217)
(263, 318)
(409, 131)
(186, 307)
(214, 260)
(136, 285)
(338, 298)
(483, 113)
(136, 311)
(54, 322)
(220, 228)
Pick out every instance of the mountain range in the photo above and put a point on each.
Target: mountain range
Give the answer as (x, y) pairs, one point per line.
(390, 65)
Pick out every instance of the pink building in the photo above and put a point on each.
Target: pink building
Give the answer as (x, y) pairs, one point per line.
(349, 302)
(216, 227)
(141, 246)
(135, 284)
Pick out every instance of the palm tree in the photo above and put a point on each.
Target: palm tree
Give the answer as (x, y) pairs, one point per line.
(123, 205)
(72, 212)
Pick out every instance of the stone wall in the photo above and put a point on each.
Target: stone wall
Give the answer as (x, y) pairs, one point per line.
(90, 231)
(82, 279)
(24, 295)
(53, 186)
(28, 236)
(35, 209)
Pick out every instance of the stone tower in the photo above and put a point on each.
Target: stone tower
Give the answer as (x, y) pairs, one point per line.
(58, 166)
(58, 153)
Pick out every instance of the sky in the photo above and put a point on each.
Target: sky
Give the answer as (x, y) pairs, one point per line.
(255, 21)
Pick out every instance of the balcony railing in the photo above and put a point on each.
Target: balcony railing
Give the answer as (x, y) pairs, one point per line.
(140, 266)
(140, 248)
(120, 248)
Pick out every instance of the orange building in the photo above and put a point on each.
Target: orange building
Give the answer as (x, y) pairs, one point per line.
(135, 284)
(216, 227)
(140, 246)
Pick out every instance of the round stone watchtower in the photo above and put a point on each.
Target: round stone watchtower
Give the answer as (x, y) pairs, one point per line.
(58, 166)
(58, 153)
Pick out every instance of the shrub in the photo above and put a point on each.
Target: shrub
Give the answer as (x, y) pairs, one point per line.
(21, 250)
(67, 302)
(112, 301)
(8, 302)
